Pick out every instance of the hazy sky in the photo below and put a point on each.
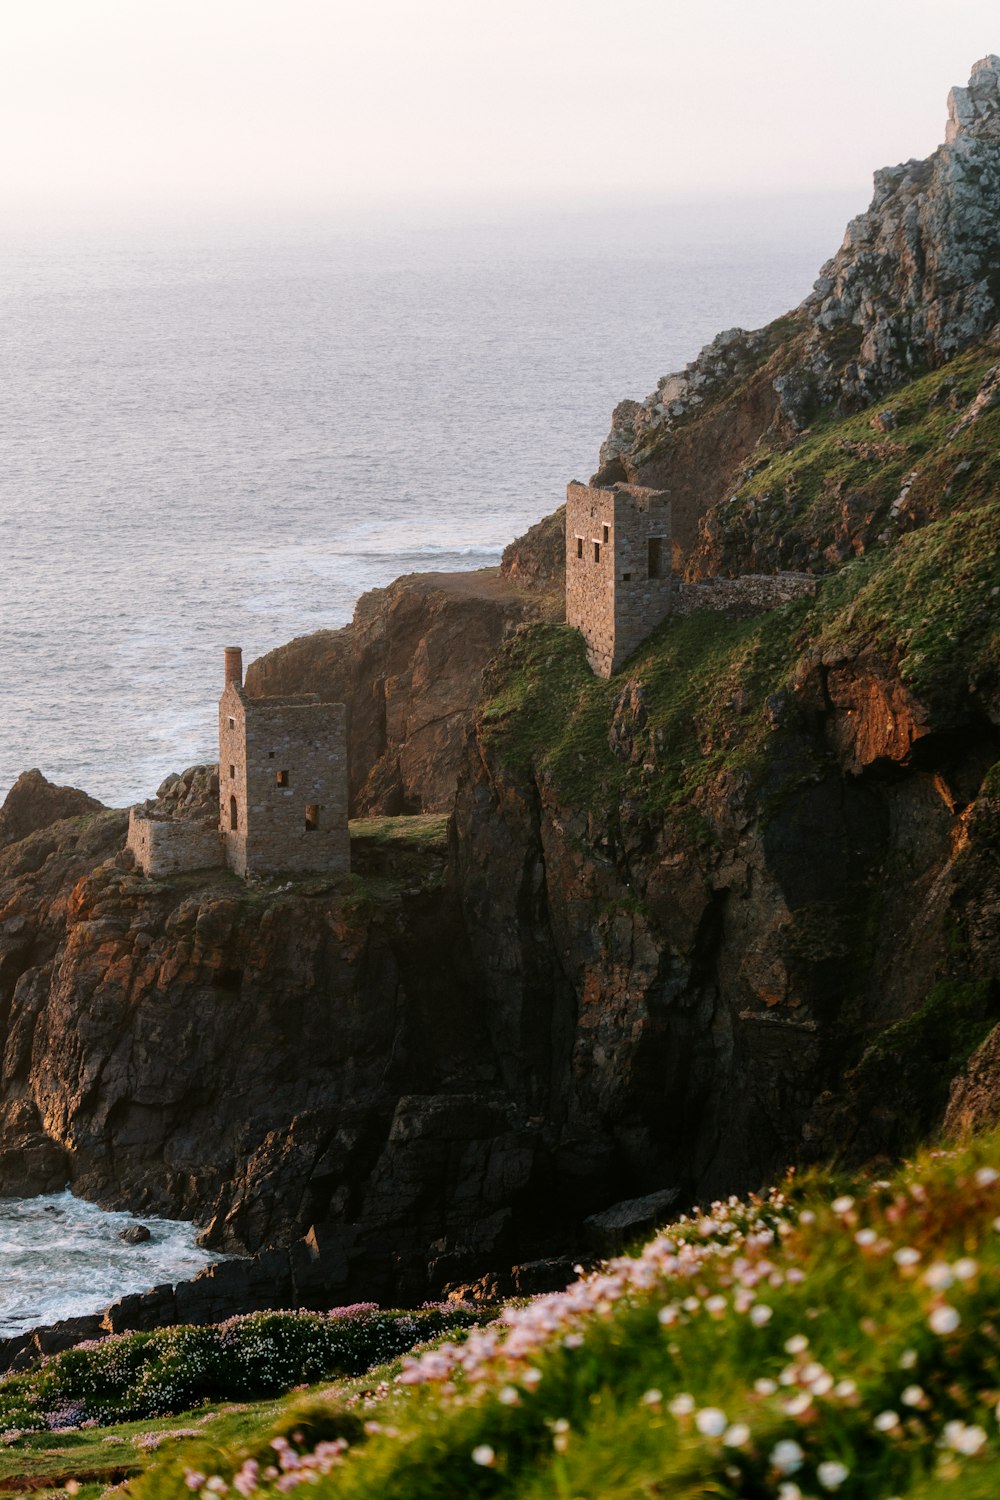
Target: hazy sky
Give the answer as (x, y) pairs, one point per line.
(238, 103)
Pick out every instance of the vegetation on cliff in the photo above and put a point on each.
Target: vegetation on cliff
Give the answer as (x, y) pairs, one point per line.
(835, 1336)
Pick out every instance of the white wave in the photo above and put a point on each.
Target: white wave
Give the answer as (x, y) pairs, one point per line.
(62, 1258)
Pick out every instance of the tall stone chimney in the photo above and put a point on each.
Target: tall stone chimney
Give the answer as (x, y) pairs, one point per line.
(234, 665)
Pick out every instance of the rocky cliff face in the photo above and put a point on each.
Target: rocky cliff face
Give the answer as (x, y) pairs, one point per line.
(408, 667)
(916, 281)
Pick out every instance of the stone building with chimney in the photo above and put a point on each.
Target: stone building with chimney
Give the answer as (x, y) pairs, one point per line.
(283, 793)
(618, 568)
(280, 804)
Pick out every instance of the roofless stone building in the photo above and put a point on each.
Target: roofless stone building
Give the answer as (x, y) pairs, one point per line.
(282, 793)
(282, 781)
(618, 568)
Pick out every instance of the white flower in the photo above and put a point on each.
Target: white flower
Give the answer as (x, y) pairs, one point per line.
(886, 1421)
(966, 1269)
(944, 1319)
(938, 1277)
(845, 1389)
(843, 1205)
(681, 1406)
(797, 1344)
(530, 1378)
(765, 1386)
(908, 1359)
(715, 1306)
(865, 1237)
(652, 1397)
(913, 1396)
(906, 1257)
(965, 1440)
(986, 1176)
(807, 1216)
(667, 1316)
(760, 1314)
(711, 1422)
(789, 1491)
(509, 1396)
(832, 1474)
(736, 1436)
(787, 1456)
(798, 1405)
(484, 1456)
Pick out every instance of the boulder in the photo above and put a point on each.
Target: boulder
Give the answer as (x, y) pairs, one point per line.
(615, 1228)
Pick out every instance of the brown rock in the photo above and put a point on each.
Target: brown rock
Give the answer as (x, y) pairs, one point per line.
(34, 803)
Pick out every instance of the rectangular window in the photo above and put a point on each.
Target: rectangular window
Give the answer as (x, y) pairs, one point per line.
(232, 723)
(270, 755)
(626, 578)
(282, 778)
(597, 551)
(607, 533)
(654, 550)
(579, 546)
(312, 817)
(232, 773)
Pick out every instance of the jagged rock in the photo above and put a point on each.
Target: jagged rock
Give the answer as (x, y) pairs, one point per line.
(34, 803)
(974, 1101)
(913, 284)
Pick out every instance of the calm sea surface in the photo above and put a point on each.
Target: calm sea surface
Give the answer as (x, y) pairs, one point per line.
(227, 437)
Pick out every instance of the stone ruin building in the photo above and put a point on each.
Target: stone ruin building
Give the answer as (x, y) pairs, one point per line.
(279, 804)
(618, 568)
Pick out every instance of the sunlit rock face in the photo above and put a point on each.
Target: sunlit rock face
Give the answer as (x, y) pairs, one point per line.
(916, 281)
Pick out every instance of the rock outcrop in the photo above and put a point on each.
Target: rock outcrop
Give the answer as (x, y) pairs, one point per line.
(916, 281)
(408, 667)
(34, 803)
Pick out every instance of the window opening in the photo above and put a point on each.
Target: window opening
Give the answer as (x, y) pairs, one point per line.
(626, 578)
(579, 546)
(234, 816)
(282, 778)
(270, 755)
(607, 533)
(597, 551)
(654, 558)
(312, 817)
(232, 723)
(232, 773)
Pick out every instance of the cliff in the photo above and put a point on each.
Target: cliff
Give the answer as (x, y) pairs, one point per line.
(915, 282)
(408, 667)
(736, 907)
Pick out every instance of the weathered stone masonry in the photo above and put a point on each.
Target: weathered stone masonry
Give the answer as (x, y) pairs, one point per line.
(618, 568)
(169, 846)
(282, 781)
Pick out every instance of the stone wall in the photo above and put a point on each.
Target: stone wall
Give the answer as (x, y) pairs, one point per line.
(283, 785)
(618, 568)
(751, 594)
(168, 846)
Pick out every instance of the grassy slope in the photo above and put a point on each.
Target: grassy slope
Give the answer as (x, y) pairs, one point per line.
(590, 1406)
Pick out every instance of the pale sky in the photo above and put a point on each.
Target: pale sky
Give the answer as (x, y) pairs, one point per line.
(181, 104)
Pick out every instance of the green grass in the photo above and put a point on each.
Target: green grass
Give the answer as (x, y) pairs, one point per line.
(612, 1390)
(420, 831)
(925, 607)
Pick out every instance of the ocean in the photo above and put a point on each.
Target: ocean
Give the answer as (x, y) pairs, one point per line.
(225, 436)
(61, 1258)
